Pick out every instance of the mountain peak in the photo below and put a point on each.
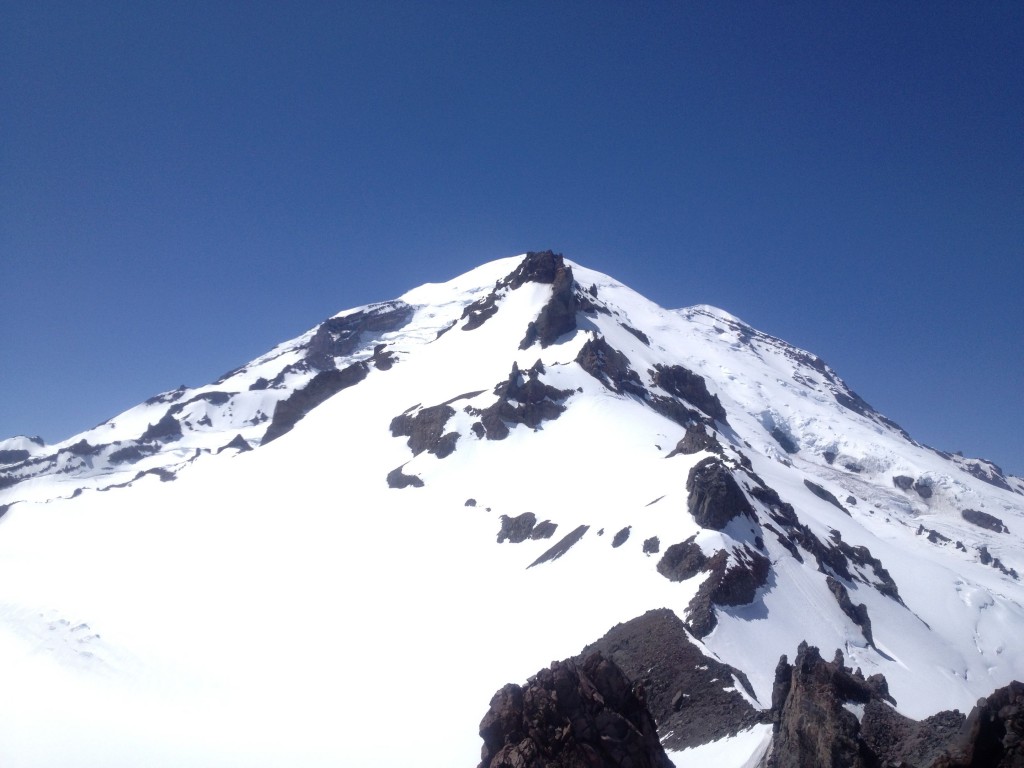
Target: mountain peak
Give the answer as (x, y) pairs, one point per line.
(498, 468)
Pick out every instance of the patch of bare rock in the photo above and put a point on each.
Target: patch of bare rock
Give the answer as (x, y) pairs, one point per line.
(815, 706)
(574, 714)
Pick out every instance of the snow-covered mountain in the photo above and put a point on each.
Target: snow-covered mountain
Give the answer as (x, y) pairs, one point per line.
(337, 553)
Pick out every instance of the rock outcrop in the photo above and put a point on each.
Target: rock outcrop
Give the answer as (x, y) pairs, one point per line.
(425, 430)
(812, 721)
(558, 316)
(522, 399)
(696, 440)
(167, 429)
(610, 367)
(398, 479)
(326, 384)
(824, 495)
(525, 526)
(992, 735)
(715, 497)
(562, 546)
(858, 613)
(572, 715)
(692, 697)
(684, 383)
(984, 520)
(341, 336)
(825, 715)
(734, 579)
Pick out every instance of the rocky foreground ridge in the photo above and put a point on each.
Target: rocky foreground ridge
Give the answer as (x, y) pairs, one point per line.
(607, 706)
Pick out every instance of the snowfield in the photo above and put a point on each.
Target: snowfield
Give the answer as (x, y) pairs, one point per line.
(205, 606)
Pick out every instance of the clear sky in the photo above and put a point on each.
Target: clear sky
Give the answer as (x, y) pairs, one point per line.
(185, 184)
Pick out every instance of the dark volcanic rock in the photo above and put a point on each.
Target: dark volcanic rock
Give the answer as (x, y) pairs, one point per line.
(542, 267)
(639, 334)
(398, 479)
(130, 454)
(684, 383)
(383, 361)
(479, 312)
(696, 440)
(238, 442)
(784, 440)
(609, 366)
(933, 536)
(862, 556)
(903, 482)
(543, 530)
(166, 430)
(341, 336)
(673, 409)
(521, 400)
(174, 394)
(858, 614)
(558, 316)
(537, 267)
(571, 715)
(326, 384)
(832, 558)
(84, 448)
(213, 398)
(652, 545)
(811, 728)
(425, 430)
(621, 537)
(993, 734)
(984, 520)
(896, 740)
(516, 529)
(564, 545)
(165, 475)
(987, 472)
(732, 581)
(715, 496)
(683, 561)
(14, 456)
(687, 692)
(825, 495)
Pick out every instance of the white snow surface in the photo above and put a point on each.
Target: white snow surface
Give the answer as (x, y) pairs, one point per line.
(284, 606)
(744, 750)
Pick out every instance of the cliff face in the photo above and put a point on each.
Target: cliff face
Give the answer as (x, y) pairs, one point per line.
(572, 715)
(825, 714)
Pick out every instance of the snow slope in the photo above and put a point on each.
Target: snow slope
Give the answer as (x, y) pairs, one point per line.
(174, 598)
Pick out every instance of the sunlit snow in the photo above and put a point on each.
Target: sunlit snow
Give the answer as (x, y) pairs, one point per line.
(284, 606)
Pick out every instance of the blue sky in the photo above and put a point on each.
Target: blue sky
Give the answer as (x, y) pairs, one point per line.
(183, 185)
